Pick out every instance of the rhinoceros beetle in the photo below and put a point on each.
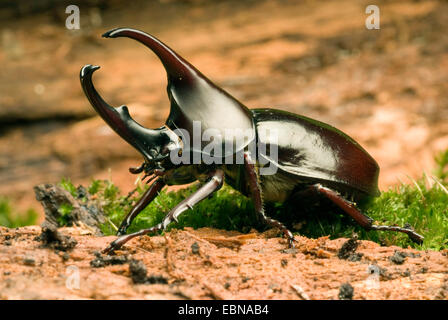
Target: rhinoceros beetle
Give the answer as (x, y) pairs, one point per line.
(310, 155)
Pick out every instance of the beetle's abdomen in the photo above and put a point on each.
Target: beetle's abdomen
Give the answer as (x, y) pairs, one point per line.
(314, 150)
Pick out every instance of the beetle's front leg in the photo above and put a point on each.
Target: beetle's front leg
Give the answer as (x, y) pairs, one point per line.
(213, 184)
(144, 201)
(257, 196)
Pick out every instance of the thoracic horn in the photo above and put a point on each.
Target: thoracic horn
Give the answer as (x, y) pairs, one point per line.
(175, 65)
(193, 96)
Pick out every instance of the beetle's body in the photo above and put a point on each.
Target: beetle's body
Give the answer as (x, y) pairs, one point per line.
(314, 152)
(309, 154)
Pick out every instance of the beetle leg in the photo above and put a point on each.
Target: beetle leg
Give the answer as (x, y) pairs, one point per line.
(257, 197)
(363, 220)
(136, 170)
(144, 201)
(214, 183)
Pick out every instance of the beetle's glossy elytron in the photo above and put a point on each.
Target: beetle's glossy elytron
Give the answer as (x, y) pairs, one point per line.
(311, 155)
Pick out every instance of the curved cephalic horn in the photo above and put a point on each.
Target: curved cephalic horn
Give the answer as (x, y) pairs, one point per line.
(193, 97)
(147, 141)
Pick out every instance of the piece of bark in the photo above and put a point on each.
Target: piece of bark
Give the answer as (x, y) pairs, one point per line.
(84, 210)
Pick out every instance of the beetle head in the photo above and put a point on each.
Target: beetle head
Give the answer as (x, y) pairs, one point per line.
(154, 144)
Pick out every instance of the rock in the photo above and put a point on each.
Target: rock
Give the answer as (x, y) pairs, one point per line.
(52, 238)
(29, 261)
(195, 248)
(138, 271)
(105, 260)
(139, 274)
(398, 257)
(347, 251)
(52, 197)
(346, 291)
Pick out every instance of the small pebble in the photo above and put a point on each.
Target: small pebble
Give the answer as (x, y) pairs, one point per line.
(346, 292)
(29, 261)
(195, 248)
(398, 257)
(138, 271)
(290, 251)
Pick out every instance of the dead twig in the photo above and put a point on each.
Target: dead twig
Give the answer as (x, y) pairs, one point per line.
(170, 265)
(213, 292)
(300, 292)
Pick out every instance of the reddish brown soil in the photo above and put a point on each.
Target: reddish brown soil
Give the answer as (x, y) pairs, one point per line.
(226, 265)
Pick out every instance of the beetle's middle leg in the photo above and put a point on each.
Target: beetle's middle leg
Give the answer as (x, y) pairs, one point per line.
(213, 184)
(363, 220)
(257, 196)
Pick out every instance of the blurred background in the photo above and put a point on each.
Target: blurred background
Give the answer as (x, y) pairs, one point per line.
(386, 88)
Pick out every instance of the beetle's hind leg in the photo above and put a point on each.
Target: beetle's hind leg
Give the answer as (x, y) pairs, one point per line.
(213, 184)
(363, 220)
(257, 196)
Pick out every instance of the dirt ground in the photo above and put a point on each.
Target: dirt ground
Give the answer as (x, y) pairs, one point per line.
(386, 88)
(211, 264)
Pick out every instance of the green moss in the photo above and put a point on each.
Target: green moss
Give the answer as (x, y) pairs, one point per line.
(441, 170)
(226, 209)
(65, 210)
(13, 219)
(425, 208)
(67, 184)
(423, 204)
